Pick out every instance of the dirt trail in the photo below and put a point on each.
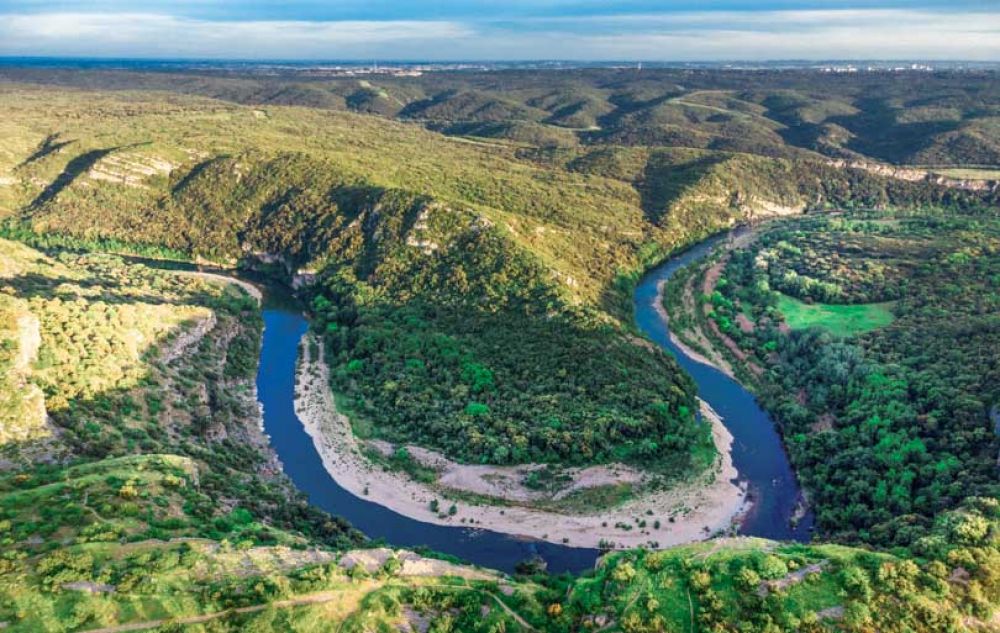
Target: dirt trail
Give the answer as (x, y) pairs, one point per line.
(793, 578)
(315, 598)
(354, 593)
(517, 618)
(251, 289)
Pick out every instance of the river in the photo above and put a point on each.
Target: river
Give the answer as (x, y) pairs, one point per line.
(757, 449)
(758, 452)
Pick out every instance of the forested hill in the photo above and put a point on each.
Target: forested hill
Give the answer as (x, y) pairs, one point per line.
(906, 118)
(458, 248)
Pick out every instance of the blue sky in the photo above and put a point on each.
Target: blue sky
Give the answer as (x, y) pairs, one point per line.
(505, 29)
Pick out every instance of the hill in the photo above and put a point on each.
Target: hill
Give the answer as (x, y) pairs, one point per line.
(112, 531)
(946, 118)
(461, 248)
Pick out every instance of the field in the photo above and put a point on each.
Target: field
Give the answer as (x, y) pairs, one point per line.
(838, 319)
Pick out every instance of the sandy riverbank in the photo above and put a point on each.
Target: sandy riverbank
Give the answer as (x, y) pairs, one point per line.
(699, 509)
(741, 240)
(694, 355)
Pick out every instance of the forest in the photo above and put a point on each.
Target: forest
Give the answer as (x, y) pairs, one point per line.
(941, 119)
(481, 357)
(886, 415)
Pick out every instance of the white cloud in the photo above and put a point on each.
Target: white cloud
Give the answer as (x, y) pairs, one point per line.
(805, 34)
(820, 34)
(148, 34)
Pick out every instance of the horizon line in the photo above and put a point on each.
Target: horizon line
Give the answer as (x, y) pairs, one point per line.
(403, 60)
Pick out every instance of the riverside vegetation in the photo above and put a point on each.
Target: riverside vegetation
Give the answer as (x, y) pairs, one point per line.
(874, 337)
(473, 299)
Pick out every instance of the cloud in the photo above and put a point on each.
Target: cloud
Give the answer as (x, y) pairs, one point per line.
(159, 35)
(816, 34)
(693, 35)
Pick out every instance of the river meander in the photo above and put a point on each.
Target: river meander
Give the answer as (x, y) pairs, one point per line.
(758, 453)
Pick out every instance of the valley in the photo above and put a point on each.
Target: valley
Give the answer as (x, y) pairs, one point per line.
(274, 361)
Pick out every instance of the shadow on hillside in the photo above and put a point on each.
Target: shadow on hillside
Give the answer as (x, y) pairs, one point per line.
(665, 179)
(74, 168)
(194, 173)
(115, 424)
(50, 145)
(877, 132)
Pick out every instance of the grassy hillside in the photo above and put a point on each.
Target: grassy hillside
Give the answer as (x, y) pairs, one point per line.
(947, 581)
(748, 585)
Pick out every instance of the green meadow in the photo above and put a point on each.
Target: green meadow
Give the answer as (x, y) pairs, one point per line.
(841, 320)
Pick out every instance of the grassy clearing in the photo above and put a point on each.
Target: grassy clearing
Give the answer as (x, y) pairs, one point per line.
(841, 320)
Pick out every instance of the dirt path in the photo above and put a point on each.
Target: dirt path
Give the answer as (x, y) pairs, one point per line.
(251, 289)
(510, 612)
(310, 599)
(321, 597)
(793, 578)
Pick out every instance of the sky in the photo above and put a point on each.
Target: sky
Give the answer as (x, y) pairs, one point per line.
(579, 30)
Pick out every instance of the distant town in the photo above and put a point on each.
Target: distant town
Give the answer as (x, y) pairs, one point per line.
(405, 68)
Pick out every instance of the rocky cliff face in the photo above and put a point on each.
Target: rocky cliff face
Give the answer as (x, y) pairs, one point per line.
(917, 175)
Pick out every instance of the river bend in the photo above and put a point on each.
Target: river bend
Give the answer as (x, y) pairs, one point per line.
(758, 453)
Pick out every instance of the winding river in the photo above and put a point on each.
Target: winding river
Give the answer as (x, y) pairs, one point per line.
(757, 449)
(758, 452)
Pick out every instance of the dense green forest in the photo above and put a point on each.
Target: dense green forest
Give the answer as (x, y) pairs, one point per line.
(480, 355)
(887, 415)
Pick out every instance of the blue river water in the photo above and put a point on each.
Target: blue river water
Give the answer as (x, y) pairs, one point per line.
(284, 326)
(758, 453)
(757, 450)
